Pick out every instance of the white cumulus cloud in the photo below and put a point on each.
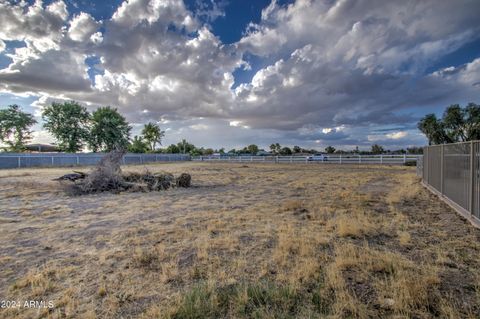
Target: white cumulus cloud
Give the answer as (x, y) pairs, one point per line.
(332, 71)
(82, 27)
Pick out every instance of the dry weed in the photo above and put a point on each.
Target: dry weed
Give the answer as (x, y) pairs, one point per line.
(267, 241)
(355, 224)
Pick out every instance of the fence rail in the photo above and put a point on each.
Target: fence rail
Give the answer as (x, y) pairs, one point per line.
(453, 172)
(333, 159)
(19, 160)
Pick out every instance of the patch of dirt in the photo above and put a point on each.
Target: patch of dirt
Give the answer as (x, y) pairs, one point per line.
(363, 290)
(376, 186)
(187, 258)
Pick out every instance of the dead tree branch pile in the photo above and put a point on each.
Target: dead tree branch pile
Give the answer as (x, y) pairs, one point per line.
(107, 176)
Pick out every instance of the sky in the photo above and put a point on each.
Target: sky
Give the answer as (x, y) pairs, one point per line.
(230, 73)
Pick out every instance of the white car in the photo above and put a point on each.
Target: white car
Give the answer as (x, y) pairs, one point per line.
(318, 158)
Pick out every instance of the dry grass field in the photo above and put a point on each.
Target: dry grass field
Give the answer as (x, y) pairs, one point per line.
(245, 241)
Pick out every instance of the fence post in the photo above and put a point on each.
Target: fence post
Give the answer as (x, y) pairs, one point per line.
(251, 158)
(425, 161)
(381, 159)
(442, 177)
(276, 159)
(404, 158)
(472, 176)
(359, 158)
(78, 160)
(52, 162)
(19, 162)
(340, 158)
(291, 159)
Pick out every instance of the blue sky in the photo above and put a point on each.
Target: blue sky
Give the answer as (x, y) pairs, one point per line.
(231, 72)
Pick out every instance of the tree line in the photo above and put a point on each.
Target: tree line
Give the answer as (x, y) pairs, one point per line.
(75, 128)
(458, 124)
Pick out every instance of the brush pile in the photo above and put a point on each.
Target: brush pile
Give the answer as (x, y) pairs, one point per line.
(107, 176)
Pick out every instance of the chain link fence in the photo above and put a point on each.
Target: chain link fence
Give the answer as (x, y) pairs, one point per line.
(453, 172)
(19, 160)
(419, 167)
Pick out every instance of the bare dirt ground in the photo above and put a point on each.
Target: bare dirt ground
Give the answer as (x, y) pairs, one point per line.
(246, 241)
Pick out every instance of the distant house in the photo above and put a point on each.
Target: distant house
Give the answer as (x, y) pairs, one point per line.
(42, 148)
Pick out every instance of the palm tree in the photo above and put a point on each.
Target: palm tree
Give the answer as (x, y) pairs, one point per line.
(152, 134)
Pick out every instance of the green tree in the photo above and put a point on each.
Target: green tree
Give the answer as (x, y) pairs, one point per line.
(275, 148)
(172, 149)
(186, 147)
(196, 151)
(286, 151)
(297, 149)
(415, 150)
(109, 130)
(330, 149)
(152, 135)
(252, 149)
(15, 127)
(433, 129)
(272, 148)
(456, 125)
(461, 124)
(377, 149)
(69, 123)
(472, 114)
(208, 151)
(138, 145)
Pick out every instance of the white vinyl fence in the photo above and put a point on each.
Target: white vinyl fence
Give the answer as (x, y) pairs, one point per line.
(333, 159)
(19, 160)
